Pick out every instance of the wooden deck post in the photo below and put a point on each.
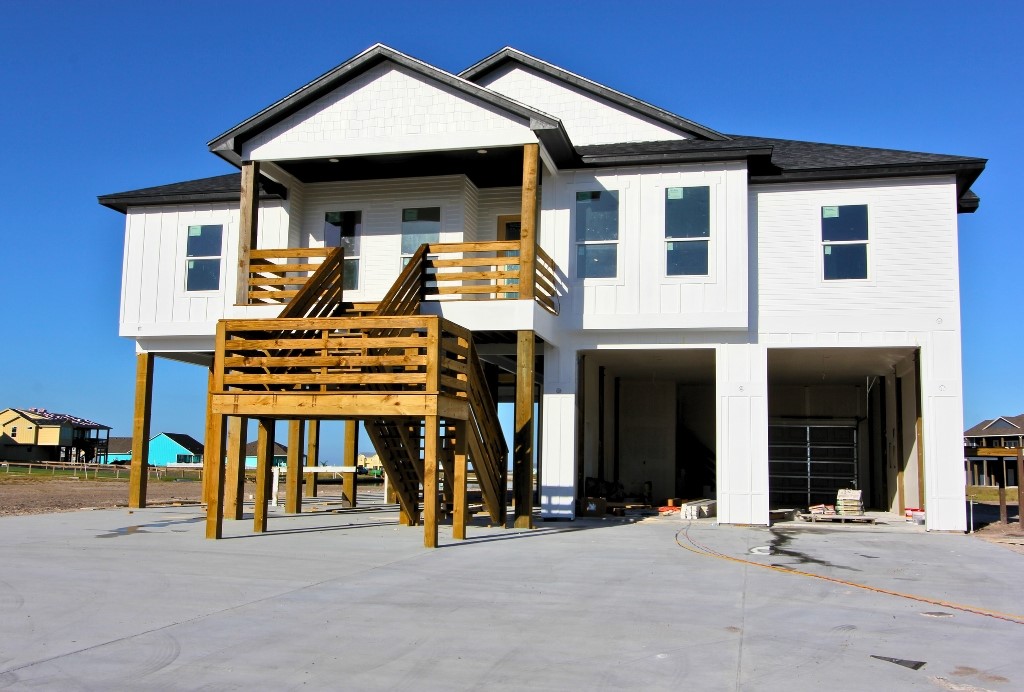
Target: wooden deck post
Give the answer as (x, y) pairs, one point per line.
(214, 459)
(264, 462)
(461, 508)
(1020, 486)
(234, 499)
(528, 221)
(140, 430)
(248, 220)
(312, 457)
(206, 436)
(348, 488)
(293, 481)
(431, 448)
(522, 445)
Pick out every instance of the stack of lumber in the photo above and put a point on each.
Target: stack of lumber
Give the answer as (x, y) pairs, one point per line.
(699, 509)
(849, 503)
(822, 509)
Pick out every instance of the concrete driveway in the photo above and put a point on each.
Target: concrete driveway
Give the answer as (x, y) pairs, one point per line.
(119, 600)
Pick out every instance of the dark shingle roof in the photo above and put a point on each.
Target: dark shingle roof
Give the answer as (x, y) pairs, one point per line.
(119, 445)
(279, 449)
(219, 188)
(986, 428)
(187, 441)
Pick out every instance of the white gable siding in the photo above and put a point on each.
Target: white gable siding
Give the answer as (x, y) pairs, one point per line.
(587, 118)
(153, 296)
(388, 109)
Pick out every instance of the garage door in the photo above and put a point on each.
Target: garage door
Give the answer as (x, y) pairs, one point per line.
(809, 461)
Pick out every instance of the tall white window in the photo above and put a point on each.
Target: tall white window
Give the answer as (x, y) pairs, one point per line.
(597, 234)
(844, 242)
(203, 253)
(687, 230)
(343, 229)
(419, 225)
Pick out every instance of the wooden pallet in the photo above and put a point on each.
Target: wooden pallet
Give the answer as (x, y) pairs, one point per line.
(841, 518)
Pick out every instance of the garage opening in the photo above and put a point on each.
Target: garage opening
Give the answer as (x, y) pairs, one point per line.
(844, 418)
(647, 437)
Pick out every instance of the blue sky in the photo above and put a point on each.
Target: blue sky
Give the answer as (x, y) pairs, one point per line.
(102, 97)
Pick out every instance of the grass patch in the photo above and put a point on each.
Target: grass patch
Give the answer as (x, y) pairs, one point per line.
(988, 493)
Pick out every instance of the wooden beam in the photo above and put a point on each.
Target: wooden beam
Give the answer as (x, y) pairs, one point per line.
(293, 484)
(234, 499)
(1020, 486)
(431, 447)
(522, 448)
(528, 221)
(285, 405)
(460, 502)
(248, 221)
(214, 460)
(349, 453)
(312, 457)
(264, 464)
(1010, 452)
(206, 435)
(140, 430)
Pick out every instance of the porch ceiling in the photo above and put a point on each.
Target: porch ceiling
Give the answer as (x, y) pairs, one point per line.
(807, 366)
(499, 167)
(690, 366)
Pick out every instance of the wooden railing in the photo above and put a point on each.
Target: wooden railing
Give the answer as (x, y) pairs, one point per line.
(348, 354)
(438, 271)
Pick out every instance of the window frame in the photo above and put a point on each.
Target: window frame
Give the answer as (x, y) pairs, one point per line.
(866, 242)
(620, 195)
(359, 236)
(710, 239)
(189, 258)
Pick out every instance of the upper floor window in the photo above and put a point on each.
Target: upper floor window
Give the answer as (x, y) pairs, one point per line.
(687, 230)
(597, 234)
(203, 250)
(419, 225)
(844, 240)
(14, 431)
(342, 229)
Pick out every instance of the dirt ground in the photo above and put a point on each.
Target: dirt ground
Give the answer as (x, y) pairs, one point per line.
(987, 527)
(41, 495)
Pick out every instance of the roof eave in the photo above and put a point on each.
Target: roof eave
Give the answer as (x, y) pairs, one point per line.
(737, 154)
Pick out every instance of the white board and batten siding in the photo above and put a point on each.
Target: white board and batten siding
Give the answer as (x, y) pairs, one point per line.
(642, 295)
(388, 109)
(588, 119)
(154, 301)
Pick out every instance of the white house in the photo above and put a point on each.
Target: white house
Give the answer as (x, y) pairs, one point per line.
(758, 320)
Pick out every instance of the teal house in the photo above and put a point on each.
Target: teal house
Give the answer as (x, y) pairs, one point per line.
(164, 449)
(280, 455)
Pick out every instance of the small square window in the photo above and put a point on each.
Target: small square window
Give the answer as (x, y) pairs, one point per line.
(844, 238)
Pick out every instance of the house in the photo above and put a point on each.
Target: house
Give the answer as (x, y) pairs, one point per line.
(35, 434)
(991, 448)
(164, 449)
(677, 312)
(279, 459)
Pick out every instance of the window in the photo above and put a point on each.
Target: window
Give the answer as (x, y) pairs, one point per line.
(203, 253)
(14, 431)
(597, 234)
(687, 230)
(342, 229)
(844, 239)
(419, 225)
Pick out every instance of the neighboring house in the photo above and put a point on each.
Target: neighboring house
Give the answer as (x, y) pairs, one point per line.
(119, 451)
(35, 434)
(280, 455)
(370, 463)
(692, 313)
(990, 448)
(164, 449)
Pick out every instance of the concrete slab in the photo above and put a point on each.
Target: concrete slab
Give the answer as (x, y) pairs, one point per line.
(117, 600)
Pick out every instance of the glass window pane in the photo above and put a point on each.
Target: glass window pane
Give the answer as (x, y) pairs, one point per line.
(846, 261)
(421, 225)
(688, 212)
(343, 228)
(849, 222)
(351, 279)
(597, 215)
(596, 261)
(203, 241)
(203, 275)
(687, 258)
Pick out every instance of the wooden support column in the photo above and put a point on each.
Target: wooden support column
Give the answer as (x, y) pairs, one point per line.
(206, 436)
(140, 430)
(264, 464)
(293, 481)
(919, 430)
(214, 459)
(522, 446)
(528, 221)
(234, 498)
(431, 448)
(312, 457)
(248, 220)
(460, 514)
(1020, 486)
(348, 480)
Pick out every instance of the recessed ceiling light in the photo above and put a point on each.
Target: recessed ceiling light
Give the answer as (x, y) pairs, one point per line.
(481, 151)
(333, 160)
